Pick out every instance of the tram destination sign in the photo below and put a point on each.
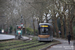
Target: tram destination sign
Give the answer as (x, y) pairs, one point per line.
(44, 26)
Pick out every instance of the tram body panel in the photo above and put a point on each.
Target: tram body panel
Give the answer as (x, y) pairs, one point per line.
(44, 36)
(45, 32)
(45, 39)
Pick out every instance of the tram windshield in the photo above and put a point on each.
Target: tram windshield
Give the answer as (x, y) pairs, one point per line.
(44, 30)
(19, 28)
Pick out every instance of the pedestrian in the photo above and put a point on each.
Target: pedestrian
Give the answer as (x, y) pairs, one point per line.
(69, 37)
(59, 33)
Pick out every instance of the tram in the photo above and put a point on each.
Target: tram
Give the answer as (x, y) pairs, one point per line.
(18, 34)
(45, 32)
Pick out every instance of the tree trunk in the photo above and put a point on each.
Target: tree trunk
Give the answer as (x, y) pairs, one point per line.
(66, 25)
(25, 27)
(62, 26)
(33, 26)
(71, 29)
(38, 25)
(46, 18)
(71, 17)
(56, 26)
(41, 16)
(70, 24)
(53, 27)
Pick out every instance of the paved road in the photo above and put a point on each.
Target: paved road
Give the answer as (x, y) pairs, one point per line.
(63, 46)
(6, 37)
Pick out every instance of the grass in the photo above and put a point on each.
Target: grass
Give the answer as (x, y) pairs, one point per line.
(29, 46)
(26, 45)
(40, 47)
(12, 46)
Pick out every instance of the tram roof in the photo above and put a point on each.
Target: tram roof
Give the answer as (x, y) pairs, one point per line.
(45, 23)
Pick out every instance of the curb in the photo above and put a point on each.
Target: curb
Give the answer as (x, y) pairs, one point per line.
(50, 46)
(6, 40)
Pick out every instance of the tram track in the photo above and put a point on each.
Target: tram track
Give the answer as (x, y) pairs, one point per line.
(15, 43)
(27, 46)
(21, 45)
(33, 46)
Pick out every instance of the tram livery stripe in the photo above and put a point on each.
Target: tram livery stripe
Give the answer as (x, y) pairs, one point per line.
(43, 36)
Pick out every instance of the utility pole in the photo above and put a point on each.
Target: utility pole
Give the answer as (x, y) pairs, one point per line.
(21, 20)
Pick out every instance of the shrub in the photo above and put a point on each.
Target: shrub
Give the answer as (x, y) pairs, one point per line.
(29, 31)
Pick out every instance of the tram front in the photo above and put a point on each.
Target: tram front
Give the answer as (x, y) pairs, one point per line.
(45, 32)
